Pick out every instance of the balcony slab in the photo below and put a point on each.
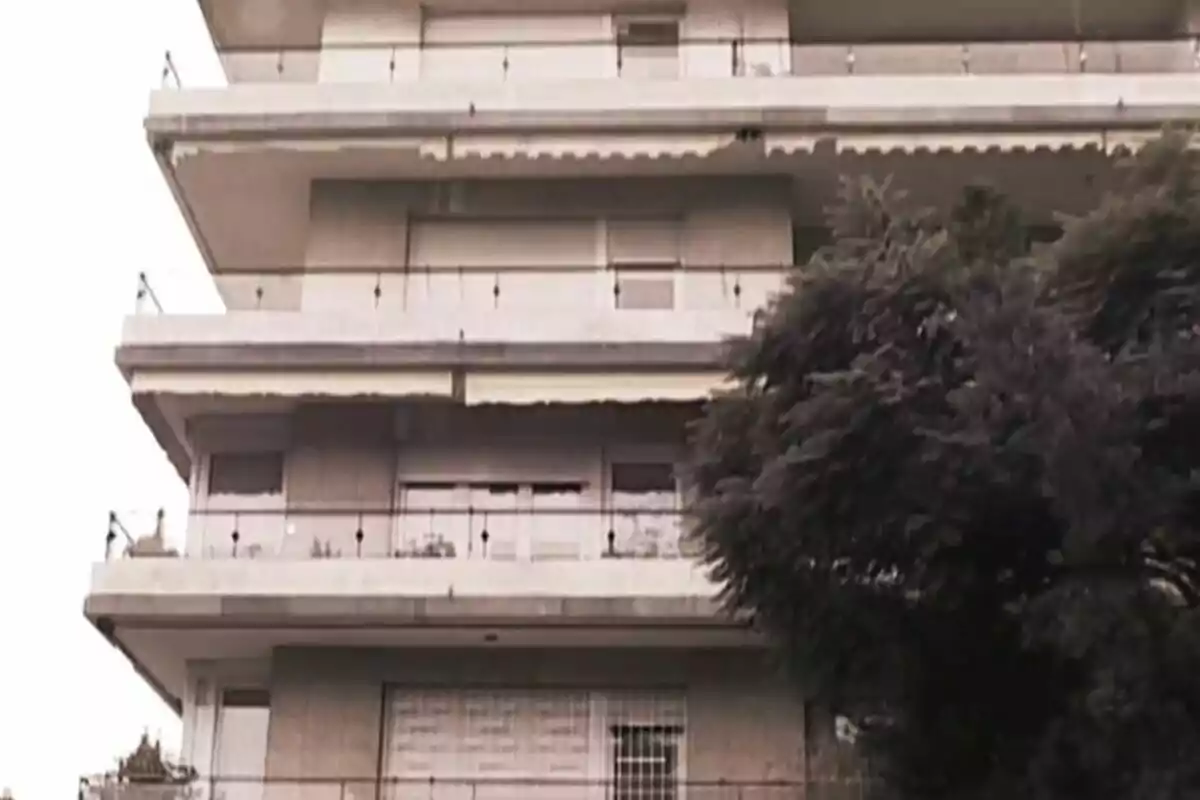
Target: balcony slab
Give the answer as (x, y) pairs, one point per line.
(827, 104)
(404, 592)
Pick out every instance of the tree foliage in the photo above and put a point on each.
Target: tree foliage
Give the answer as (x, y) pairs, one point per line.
(957, 487)
(145, 774)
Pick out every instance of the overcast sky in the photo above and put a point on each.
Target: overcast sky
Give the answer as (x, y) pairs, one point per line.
(85, 209)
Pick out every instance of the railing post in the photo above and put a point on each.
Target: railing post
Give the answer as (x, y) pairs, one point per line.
(111, 536)
(358, 537)
(139, 302)
(735, 60)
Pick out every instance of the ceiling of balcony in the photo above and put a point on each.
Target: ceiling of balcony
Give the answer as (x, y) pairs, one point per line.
(297, 23)
(165, 651)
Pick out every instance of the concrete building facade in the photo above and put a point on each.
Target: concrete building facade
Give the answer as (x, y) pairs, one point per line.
(479, 258)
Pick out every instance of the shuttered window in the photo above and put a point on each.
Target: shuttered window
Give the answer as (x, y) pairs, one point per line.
(643, 256)
(499, 47)
(528, 744)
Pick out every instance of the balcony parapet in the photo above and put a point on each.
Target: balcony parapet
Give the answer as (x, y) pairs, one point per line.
(690, 57)
(441, 534)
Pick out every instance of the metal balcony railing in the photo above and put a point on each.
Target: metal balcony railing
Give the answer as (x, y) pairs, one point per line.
(849, 787)
(696, 57)
(692, 287)
(496, 534)
(146, 301)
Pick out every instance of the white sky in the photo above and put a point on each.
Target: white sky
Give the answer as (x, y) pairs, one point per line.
(85, 210)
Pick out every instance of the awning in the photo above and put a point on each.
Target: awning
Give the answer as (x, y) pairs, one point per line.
(628, 387)
(294, 383)
(966, 142)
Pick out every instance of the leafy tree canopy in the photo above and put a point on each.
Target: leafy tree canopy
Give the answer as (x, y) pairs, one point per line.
(957, 488)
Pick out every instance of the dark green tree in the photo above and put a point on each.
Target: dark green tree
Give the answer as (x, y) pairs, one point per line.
(936, 491)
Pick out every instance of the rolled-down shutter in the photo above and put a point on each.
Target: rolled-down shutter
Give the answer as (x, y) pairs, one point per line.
(482, 47)
(644, 256)
(542, 264)
(486, 744)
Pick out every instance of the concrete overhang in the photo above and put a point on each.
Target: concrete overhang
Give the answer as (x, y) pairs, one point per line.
(243, 159)
(592, 108)
(162, 612)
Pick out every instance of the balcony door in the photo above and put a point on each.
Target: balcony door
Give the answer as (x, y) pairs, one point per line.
(558, 528)
(645, 506)
(499, 507)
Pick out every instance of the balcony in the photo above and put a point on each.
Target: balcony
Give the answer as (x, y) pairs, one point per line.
(555, 86)
(445, 564)
(583, 304)
(498, 535)
(484, 61)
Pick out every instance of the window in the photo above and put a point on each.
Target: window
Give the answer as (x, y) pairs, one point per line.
(644, 258)
(648, 46)
(645, 763)
(644, 286)
(245, 473)
(527, 743)
(429, 524)
(646, 522)
(638, 478)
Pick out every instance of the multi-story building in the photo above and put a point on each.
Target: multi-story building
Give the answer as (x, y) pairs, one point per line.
(479, 257)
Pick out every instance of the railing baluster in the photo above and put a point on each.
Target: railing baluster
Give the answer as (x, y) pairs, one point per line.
(111, 536)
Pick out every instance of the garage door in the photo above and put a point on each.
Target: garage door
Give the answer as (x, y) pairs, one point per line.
(565, 253)
(488, 745)
(503, 46)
